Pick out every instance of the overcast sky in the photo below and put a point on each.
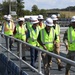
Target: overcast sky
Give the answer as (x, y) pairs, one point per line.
(48, 4)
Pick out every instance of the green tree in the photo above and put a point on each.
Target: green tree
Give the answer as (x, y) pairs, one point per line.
(1, 11)
(35, 10)
(27, 12)
(5, 6)
(43, 12)
(20, 7)
(0, 7)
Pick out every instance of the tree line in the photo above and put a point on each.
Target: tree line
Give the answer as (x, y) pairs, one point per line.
(20, 9)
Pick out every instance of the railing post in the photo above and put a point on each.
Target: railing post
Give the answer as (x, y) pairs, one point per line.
(8, 54)
(20, 52)
(39, 62)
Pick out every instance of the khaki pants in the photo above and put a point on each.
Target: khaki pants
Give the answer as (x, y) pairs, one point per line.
(70, 55)
(23, 49)
(46, 62)
(57, 51)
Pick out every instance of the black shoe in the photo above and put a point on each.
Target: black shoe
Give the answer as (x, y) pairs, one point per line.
(60, 67)
(24, 58)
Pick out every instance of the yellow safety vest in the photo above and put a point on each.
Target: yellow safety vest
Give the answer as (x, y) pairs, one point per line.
(57, 31)
(43, 26)
(33, 36)
(48, 40)
(29, 25)
(9, 27)
(71, 39)
(40, 28)
(0, 27)
(20, 33)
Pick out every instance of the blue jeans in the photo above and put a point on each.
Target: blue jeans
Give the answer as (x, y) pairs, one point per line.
(33, 55)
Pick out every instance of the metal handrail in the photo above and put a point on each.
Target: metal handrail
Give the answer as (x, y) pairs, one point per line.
(39, 60)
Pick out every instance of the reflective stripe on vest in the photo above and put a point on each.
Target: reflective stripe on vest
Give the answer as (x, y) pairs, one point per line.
(43, 36)
(70, 35)
(57, 31)
(71, 39)
(10, 27)
(20, 33)
(43, 26)
(29, 25)
(33, 36)
(48, 40)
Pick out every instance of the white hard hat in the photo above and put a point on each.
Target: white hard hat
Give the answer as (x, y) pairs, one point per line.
(21, 19)
(54, 17)
(8, 18)
(73, 19)
(40, 17)
(34, 20)
(5, 16)
(49, 22)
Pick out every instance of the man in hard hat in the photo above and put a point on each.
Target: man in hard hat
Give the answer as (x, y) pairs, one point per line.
(5, 17)
(46, 39)
(11, 18)
(32, 39)
(20, 33)
(41, 24)
(57, 45)
(28, 23)
(4, 20)
(8, 29)
(69, 40)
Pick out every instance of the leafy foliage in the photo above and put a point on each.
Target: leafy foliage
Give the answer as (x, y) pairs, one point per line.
(19, 8)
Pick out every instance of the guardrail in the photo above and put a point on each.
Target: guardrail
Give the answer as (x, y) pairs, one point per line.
(39, 56)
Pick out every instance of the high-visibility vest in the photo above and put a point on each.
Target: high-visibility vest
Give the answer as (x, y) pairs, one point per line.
(25, 27)
(40, 28)
(43, 26)
(71, 39)
(20, 33)
(28, 25)
(33, 36)
(48, 40)
(0, 27)
(57, 31)
(9, 27)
